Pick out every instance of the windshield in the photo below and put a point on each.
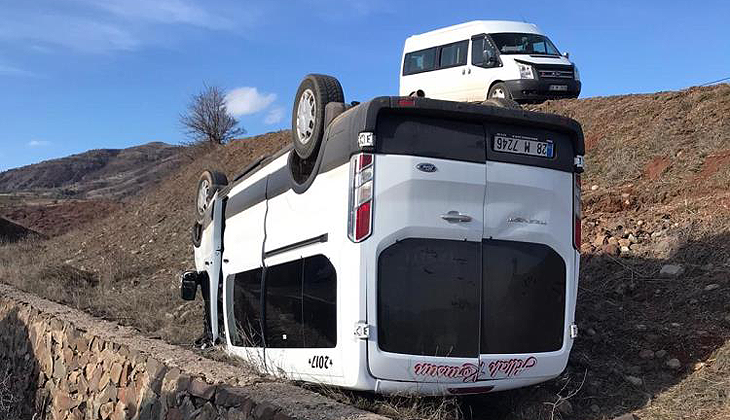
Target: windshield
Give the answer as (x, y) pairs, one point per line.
(516, 43)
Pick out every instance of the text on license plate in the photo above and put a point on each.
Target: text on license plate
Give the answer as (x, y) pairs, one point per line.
(523, 145)
(559, 88)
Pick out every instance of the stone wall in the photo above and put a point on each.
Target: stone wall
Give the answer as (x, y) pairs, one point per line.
(59, 363)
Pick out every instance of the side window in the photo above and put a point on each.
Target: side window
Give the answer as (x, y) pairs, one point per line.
(453, 54)
(419, 61)
(483, 53)
(246, 328)
(284, 305)
(320, 302)
(301, 304)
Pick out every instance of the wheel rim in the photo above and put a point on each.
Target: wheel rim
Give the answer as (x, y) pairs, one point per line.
(203, 196)
(306, 116)
(499, 93)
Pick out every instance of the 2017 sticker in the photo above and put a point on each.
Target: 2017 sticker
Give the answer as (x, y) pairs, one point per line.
(320, 362)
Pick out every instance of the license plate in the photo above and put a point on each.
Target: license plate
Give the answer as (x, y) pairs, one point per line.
(523, 145)
(559, 88)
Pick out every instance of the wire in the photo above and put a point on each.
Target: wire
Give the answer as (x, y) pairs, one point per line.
(716, 81)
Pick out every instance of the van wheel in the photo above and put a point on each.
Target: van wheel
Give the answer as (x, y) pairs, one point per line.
(208, 184)
(499, 90)
(502, 103)
(307, 122)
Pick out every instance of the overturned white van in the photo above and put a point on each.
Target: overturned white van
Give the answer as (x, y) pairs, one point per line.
(414, 246)
(484, 59)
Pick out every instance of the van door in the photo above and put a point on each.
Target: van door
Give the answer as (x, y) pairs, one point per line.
(528, 255)
(449, 80)
(424, 276)
(243, 268)
(483, 70)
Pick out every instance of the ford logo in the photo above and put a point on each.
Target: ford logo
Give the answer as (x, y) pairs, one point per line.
(426, 167)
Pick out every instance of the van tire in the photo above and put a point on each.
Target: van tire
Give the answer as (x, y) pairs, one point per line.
(502, 103)
(209, 183)
(499, 90)
(197, 234)
(307, 123)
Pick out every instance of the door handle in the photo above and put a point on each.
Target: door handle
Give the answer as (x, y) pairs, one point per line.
(455, 217)
(463, 71)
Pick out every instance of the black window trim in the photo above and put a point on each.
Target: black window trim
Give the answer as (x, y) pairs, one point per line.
(489, 39)
(440, 49)
(437, 63)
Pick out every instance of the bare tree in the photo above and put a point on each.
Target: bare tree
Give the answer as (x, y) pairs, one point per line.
(207, 119)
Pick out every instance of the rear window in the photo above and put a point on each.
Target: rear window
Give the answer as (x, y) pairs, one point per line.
(428, 298)
(430, 137)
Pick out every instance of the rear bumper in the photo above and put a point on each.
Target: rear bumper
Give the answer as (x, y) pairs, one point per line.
(539, 90)
(446, 389)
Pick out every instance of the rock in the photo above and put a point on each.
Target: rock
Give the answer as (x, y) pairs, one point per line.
(727, 319)
(640, 327)
(613, 240)
(611, 249)
(624, 242)
(639, 223)
(106, 410)
(671, 270)
(708, 267)
(633, 380)
(693, 301)
(711, 287)
(201, 389)
(633, 239)
(625, 249)
(674, 364)
(646, 354)
(594, 187)
(595, 408)
(116, 373)
(591, 332)
(600, 241)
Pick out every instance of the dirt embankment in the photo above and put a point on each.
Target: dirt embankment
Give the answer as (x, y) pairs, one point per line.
(655, 278)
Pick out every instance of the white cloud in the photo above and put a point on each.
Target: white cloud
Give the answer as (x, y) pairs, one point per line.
(38, 143)
(13, 71)
(247, 100)
(274, 116)
(163, 11)
(77, 33)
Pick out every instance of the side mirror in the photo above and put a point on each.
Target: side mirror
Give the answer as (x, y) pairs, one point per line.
(492, 61)
(566, 54)
(188, 285)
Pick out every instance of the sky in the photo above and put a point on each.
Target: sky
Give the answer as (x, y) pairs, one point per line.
(88, 74)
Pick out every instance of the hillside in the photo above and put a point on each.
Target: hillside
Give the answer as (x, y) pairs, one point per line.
(654, 289)
(102, 173)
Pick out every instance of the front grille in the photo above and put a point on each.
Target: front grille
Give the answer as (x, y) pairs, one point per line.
(555, 72)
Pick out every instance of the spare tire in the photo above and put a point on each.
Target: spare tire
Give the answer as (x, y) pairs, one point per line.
(307, 121)
(502, 103)
(208, 184)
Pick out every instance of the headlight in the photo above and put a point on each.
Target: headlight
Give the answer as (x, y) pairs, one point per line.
(525, 71)
(576, 73)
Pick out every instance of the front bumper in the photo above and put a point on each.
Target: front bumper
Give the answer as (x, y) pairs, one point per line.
(527, 90)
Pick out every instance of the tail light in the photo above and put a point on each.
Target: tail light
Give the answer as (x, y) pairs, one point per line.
(360, 222)
(576, 212)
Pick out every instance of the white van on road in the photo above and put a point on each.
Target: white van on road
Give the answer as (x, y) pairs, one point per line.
(484, 59)
(402, 245)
